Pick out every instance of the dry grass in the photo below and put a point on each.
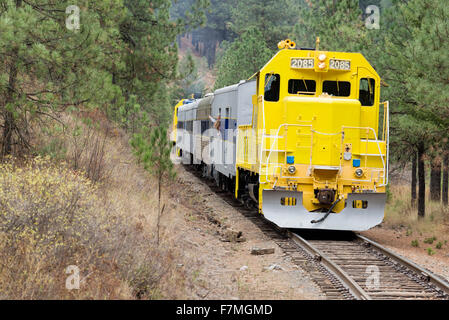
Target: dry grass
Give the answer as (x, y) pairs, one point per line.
(52, 216)
(400, 213)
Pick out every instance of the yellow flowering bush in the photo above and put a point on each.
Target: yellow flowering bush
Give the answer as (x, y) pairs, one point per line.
(52, 217)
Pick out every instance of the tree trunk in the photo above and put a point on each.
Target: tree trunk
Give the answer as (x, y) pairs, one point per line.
(8, 116)
(421, 183)
(445, 179)
(435, 181)
(158, 207)
(414, 164)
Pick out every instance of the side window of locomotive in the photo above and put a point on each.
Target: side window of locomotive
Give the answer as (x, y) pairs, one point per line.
(301, 86)
(337, 88)
(272, 85)
(366, 91)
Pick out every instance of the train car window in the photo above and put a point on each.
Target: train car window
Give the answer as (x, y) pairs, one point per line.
(337, 88)
(272, 85)
(366, 91)
(204, 125)
(301, 86)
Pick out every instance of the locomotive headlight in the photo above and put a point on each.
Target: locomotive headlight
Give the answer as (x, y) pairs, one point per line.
(291, 169)
(358, 173)
(322, 65)
(322, 57)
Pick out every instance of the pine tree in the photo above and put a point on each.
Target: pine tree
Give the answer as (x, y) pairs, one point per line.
(151, 53)
(412, 63)
(188, 80)
(445, 188)
(272, 18)
(47, 67)
(242, 58)
(338, 24)
(217, 28)
(413, 186)
(152, 147)
(435, 179)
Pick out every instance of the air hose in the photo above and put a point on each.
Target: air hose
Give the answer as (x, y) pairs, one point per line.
(328, 212)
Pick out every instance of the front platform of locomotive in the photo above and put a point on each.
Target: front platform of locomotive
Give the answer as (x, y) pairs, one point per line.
(323, 160)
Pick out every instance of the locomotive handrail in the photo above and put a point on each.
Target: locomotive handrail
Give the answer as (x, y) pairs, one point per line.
(384, 161)
(386, 105)
(279, 165)
(386, 138)
(276, 137)
(384, 158)
(327, 134)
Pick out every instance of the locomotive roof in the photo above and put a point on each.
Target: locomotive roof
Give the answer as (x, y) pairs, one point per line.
(282, 59)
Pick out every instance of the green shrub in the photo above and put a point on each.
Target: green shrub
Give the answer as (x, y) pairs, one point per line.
(430, 240)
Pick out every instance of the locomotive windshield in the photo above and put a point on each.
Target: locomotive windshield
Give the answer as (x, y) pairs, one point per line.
(272, 84)
(337, 88)
(301, 86)
(366, 92)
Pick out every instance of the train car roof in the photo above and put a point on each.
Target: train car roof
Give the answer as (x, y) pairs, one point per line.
(232, 87)
(189, 106)
(227, 89)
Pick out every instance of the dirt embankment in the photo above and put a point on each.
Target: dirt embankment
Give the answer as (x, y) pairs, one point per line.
(201, 222)
(227, 270)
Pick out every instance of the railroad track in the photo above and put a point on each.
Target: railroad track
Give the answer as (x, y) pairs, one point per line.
(346, 265)
(370, 271)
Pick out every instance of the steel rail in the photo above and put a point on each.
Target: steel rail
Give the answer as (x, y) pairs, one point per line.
(429, 276)
(344, 278)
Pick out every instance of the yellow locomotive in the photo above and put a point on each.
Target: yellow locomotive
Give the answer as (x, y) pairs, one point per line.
(305, 140)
